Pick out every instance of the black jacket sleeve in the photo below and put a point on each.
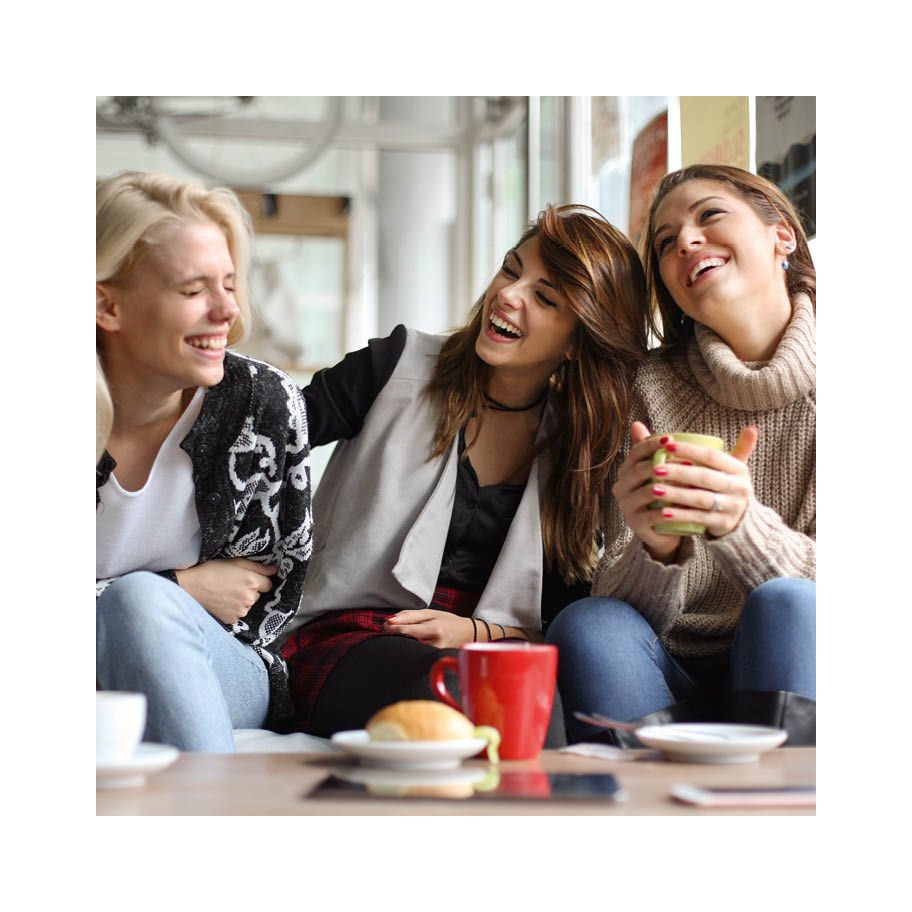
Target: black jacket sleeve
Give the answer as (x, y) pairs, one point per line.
(338, 398)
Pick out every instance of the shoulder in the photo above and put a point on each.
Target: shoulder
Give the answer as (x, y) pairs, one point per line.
(419, 354)
(257, 388)
(659, 368)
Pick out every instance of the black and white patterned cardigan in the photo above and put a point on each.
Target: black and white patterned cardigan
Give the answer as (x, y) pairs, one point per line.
(250, 453)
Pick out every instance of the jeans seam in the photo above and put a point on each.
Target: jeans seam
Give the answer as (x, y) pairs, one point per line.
(655, 661)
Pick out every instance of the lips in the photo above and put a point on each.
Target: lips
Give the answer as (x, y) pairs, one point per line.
(503, 327)
(213, 343)
(701, 266)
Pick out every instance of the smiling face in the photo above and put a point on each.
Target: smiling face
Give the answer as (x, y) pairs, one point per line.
(719, 261)
(168, 325)
(527, 327)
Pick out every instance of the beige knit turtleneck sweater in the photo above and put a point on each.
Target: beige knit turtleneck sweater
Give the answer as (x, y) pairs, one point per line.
(694, 604)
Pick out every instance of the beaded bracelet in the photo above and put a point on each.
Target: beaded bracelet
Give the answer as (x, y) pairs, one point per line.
(474, 630)
(487, 627)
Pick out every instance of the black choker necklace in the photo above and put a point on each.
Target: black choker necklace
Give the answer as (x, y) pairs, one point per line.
(492, 403)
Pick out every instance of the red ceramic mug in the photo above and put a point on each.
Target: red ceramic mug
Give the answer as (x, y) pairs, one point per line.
(509, 686)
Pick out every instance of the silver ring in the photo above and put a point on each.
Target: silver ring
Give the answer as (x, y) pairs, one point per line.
(717, 503)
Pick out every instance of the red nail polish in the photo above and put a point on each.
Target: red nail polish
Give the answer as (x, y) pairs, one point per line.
(660, 470)
(685, 462)
(667, 514)
(665, 440)
(658, 491)
(672, 448)
(392, 617)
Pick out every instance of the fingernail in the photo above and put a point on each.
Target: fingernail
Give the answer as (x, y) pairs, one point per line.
(667, 514)
(685, 462)
(660, 470)
(392, 617)
(665, 440)
(672, 448)
(658, 491)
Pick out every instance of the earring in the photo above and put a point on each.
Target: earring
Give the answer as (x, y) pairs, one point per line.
(785, 265)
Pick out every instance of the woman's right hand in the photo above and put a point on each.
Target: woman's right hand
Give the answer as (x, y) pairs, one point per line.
(633, 493)
(227, 587)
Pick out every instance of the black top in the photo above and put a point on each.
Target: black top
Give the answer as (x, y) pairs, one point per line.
(338, 399)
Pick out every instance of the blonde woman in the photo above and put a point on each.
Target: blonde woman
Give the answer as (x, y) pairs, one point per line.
(203, 513)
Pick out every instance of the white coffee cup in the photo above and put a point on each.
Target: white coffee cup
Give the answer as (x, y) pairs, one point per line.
(120, 720)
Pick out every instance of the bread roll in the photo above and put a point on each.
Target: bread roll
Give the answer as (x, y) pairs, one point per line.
(419, 720)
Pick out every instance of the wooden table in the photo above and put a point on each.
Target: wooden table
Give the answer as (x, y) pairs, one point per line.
(270, 784)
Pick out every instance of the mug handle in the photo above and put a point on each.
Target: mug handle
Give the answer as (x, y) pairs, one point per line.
(438, 685)
(659, 457)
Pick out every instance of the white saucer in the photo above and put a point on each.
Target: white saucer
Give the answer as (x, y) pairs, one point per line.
(147, 758)
(711, 742)
(407, 755)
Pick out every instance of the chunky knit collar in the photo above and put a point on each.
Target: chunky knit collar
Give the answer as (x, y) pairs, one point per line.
(758, 385)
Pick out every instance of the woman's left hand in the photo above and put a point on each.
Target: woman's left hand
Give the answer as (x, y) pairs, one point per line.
(437, 628)
(714, 493)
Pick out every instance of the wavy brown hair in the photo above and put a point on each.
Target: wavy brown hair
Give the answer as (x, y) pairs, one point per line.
(597, 270)
(671, 326)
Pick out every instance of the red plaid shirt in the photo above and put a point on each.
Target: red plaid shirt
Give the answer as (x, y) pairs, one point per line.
(313, 650)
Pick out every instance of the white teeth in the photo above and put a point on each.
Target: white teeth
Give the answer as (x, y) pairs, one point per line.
(709, 261)
(497, 321)
(216, 342)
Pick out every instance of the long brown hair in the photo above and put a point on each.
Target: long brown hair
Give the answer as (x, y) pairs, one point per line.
(671, 326)
(597, 269)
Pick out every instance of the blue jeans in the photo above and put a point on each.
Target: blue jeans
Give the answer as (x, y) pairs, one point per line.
(611, 661)
(201, 682)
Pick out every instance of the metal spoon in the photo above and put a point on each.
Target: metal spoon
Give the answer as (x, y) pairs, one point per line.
(604, 722)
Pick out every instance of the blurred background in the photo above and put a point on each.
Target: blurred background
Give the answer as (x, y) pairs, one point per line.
(376, 210)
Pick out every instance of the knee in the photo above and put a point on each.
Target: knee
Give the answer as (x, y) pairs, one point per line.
(781, 602)
(594, 620)
(136, 605)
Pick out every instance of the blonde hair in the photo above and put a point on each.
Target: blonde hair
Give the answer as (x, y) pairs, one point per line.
(134, 212)
(104, 410)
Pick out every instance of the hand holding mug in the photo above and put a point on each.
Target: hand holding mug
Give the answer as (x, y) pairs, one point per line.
(703, 489)
(707, 487)
(633, 492)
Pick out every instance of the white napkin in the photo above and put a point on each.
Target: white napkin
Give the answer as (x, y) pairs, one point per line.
(257, 740)
(606, 751)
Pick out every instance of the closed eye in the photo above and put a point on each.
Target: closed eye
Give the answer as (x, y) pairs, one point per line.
(545, 300)
(663, 244)
(706, 213)
(507, 271)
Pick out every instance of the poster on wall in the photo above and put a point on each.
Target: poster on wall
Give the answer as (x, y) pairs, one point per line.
(715, 129)
(648, 165)
(787, 150)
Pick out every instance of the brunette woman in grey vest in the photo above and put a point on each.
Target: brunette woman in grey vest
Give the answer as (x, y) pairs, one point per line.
(464, 497)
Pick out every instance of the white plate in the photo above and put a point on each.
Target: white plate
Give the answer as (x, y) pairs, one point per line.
(407, 755)
(711, 742)
(147, 758)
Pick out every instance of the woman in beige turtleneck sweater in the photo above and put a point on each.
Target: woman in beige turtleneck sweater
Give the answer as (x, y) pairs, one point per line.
(720, 625)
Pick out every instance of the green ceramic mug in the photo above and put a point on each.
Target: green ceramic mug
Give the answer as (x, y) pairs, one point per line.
(660, 457)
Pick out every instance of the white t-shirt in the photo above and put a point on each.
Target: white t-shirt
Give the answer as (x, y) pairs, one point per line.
(157, 527)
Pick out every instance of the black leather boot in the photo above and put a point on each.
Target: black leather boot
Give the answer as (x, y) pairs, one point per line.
(779, 708)
(685, 711)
